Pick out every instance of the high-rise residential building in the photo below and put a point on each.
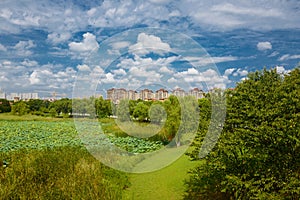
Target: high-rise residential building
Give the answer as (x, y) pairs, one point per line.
(132, 95)
(196, 92)
(161, 94)
(115, 95)
(147, 94)
(179, 92)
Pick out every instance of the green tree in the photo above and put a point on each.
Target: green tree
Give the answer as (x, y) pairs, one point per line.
(258, 154)
(157, 113)
(4, 106)
(63, 106)
(103, 107)
(122, 111)
(173, 120)
(20, 108)
(141, 112)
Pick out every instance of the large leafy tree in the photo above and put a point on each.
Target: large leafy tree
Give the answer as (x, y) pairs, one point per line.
(258, 154)
(20, 108)
(141, 112)
(103, 107)
(122, 111)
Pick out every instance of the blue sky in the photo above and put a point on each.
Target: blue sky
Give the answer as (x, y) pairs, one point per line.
(48, 45)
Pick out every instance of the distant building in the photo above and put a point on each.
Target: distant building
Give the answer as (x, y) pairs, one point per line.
(22, 96)
(116, 95)
(179, 92)
(147, 94)
(196, 92)
(132, 95)
(161, 94)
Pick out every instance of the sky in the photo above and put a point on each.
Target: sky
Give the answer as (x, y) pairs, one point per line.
(84, 47)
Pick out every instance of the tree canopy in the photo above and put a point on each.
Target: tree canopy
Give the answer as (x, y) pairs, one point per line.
(258, 153)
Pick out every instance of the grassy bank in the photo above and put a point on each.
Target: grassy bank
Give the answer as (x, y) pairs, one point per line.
(166, 183)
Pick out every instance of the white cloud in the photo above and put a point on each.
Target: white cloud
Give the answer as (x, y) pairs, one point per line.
(172, 80)
(2, 48)
(229, 71)
(23, 48)
(57, 38)
(34, 79)
(160, 1)
(258, 15)
(109, 78)
(120, 72)
(68, 16)
(281, 70)
(210, 77)
(120, 45)
(83, 67)
(288, 57)
(89, 43)
(165, 70)
(39, 77)
(149, 43)
(205, 60)
(29, 63)
(275, 53)
(243, 10)
(262, 46)
(242, 72)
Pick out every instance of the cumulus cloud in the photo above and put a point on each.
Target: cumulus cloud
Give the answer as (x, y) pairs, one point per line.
(165, 70)
(83, 67)
(262, 46)
(281, 70)
(120, 72)
(29, 63)
(210, 77)
(23, 48)
(229, 71)
(39, 77)
(240, 72)
(89, 43)
(149, 43)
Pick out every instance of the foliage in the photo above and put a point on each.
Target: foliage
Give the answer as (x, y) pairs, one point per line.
(258, 154)
(4, 106)
(123, 111)
(136, 145)
(103, 108)
(141, 112)
(20, 108)
(63, 106)
(15, 135)
(157, 113)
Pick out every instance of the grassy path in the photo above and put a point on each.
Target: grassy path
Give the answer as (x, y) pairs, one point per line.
(166, 183)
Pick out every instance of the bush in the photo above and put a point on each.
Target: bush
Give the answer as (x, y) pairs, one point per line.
(60, 173)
